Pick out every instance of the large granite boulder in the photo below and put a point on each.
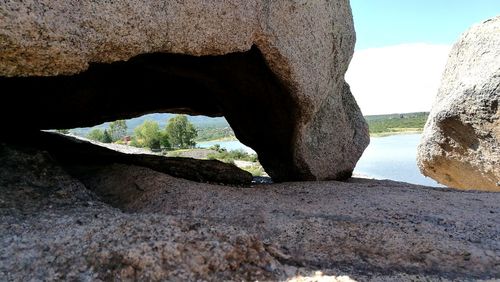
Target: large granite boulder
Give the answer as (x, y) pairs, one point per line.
(274, 69)
(461, 142)
(82, 154)
(124, 222)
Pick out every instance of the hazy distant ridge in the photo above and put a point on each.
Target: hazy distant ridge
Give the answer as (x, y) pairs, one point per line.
(389, 123)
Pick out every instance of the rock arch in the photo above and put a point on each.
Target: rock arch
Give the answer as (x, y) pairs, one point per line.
(274, 69)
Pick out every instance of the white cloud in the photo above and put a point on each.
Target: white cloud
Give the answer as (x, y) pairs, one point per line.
(397, 79)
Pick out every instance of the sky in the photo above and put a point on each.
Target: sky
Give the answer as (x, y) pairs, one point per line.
(402, 48)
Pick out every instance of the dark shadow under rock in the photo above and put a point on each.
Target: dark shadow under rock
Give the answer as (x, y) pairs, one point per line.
(239, 86)
(80, 157)
(266, 112)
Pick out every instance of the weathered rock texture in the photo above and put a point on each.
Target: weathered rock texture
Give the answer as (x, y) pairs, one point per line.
(461, 143)
(79, 153)
(274, 69)
(53, 227)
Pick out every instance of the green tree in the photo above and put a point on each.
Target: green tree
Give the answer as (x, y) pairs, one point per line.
(96, 135)
(165, 141)
(107, 137)
(181, 132)
(148, 135)
(117, 130)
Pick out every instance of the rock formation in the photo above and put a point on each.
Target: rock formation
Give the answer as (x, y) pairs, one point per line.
(72, 211)
(99, 226)
(274, 69)
(79, 154)
(461, 143)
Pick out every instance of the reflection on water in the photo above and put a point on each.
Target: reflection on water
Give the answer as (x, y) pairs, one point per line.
(391, 157)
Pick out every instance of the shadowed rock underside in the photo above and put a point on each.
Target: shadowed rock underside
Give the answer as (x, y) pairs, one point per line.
(274, 69)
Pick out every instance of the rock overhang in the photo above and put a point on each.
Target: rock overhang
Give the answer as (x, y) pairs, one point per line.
(274, 69)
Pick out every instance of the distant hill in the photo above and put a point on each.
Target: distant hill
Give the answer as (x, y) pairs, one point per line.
(201, 122)
(396, 123)
(396, 116)
(216, 128)
(162, 119)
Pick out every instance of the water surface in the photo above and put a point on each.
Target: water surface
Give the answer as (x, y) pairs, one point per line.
(395, 158)
(228, 145)
(392, 157)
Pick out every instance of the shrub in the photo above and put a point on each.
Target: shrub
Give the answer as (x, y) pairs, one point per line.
(255, 170)
(231, 156)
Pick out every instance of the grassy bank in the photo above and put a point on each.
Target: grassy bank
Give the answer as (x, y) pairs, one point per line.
(240, 158)
(385, 125)
(221, 139)
(397, 131)
(219, 130)
(380, 125)
(213, 133)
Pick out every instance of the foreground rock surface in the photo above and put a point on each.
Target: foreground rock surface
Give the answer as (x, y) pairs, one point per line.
(274, 69)
(80, 154)
(100, 226)
(461, 142)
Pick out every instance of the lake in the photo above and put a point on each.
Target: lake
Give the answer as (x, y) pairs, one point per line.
(395, 158)
(228, 145)
(392, 157)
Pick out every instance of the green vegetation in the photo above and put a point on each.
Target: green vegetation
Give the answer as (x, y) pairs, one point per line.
(177, 135)
(218, 128)
(396, 123)
(230, 156)
(378, 124)
(100, 135)
(117, 130)
(96, 135)
(147, 135)
(181, 133)
(114, 133)
(255, 170)
(107, 137)
(215, 133)
(165, 141)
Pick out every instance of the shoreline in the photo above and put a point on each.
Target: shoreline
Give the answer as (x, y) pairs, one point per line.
(374, 135)
(391, 133)
(223, 139)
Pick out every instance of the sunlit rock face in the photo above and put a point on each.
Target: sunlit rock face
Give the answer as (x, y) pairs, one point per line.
(274, 69)
(461, 143)
(123, 222)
